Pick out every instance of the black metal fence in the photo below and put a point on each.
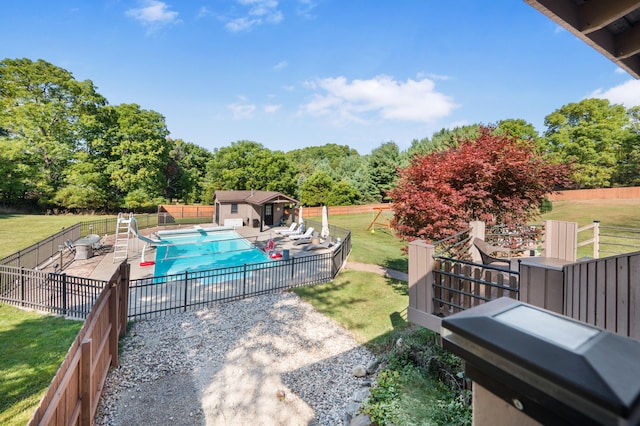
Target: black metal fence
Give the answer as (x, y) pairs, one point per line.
(459, 285)
(59, 294)
(48, 249)
(156, 296)
(21, 284)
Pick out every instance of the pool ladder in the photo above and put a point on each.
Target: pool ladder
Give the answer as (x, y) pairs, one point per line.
(123, 229)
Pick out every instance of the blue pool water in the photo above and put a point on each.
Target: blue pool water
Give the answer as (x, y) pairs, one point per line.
(204, 251)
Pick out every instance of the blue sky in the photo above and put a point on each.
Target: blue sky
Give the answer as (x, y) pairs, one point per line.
(296, 73)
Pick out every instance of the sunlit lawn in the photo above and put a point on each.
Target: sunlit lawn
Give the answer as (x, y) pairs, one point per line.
(33, 347)
(367, 304)
(379, 248)
(18, 231)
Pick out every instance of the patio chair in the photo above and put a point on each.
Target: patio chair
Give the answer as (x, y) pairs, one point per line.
(70, 246)
(485, 249)
(271, 245)
(100, 245)
(307, 234)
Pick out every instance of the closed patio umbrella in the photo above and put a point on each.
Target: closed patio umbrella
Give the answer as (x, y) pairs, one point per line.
(300, 215)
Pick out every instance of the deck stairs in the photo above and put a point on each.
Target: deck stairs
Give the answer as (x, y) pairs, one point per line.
(123, 235)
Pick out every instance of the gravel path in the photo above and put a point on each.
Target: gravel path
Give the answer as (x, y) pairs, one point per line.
(269, 360)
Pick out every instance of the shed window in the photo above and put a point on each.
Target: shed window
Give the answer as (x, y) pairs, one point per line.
(234, 208)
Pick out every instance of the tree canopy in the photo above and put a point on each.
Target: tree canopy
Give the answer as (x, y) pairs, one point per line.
(44, 115)
(590, 135)
(63, 146)
(246, 165)
(493, 177)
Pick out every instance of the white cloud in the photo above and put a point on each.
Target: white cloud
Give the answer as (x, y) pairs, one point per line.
(241, 110)
(272, 108)
(257, 12)
(305, 7)
(627, 94)
(280, 66)
(204, 12)
(154, 14)
(357, 100)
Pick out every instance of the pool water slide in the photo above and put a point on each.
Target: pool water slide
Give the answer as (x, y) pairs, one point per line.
(126, 227)
(148, 242)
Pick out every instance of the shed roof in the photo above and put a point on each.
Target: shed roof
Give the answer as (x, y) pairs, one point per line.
(258, 198)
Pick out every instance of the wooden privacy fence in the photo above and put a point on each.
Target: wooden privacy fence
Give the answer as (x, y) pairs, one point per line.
(170, 214)
(596, 194)
(73, 395)
(605, 293)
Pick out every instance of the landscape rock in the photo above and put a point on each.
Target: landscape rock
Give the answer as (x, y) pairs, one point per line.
(359, 370)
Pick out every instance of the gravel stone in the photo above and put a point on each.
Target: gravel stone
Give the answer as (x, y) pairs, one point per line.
(268, 360)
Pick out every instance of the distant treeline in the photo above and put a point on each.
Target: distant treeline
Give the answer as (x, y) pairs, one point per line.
(64, 147)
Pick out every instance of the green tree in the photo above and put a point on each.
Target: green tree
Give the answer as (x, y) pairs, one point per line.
(86, 187)
(342, 194)
(517, 128)
(628, 162)
(248, 165)
(139, 156)
(44, 110)
(443, 139)
(588, 134)
(185, 172)
(307, 158)
(383, 164)
(316, 189)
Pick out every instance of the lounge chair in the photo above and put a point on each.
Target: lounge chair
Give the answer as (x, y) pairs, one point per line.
(284, 231)
(306, 240)
(291, 231)
(323, 245)
(307, 234)
(485, 249)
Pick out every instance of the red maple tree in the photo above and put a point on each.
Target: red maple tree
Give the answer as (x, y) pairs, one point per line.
(492, 177)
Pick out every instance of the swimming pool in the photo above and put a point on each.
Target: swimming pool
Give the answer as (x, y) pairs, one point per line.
(200, 251)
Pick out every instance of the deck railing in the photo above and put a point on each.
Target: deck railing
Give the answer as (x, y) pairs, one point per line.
(459, 285)
(608, 240)
(602, 292)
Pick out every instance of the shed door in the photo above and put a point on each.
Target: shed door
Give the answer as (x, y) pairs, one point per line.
(268, 214)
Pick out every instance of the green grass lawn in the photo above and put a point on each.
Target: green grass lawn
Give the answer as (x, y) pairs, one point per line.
(380, 248)
(33, 347)
(368, 305)
(18, 231)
